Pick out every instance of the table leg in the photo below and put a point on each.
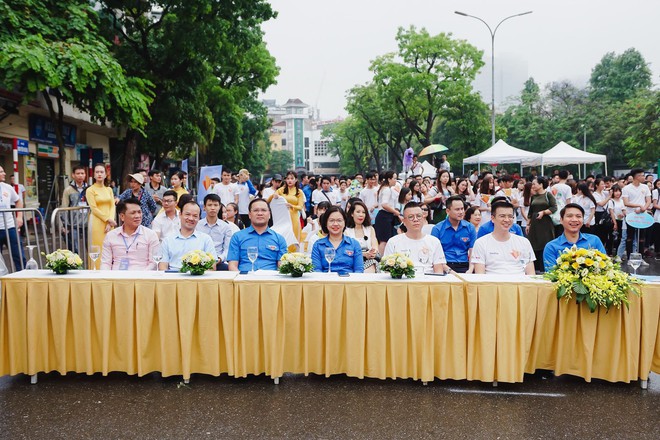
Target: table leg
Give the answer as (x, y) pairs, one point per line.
(425, 383)
(276, 380)
(186, 381)
(495, 383)
(644, 384)
(33, 379)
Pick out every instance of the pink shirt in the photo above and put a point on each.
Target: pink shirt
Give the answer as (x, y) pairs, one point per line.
(130, 252)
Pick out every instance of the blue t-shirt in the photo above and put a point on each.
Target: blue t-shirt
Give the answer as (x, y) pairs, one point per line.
(555, 247)
(348, 256)
(489, 227)
(270, 246)
(455, 243)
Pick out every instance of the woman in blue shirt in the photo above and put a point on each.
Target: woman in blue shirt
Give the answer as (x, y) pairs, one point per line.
(348, 253)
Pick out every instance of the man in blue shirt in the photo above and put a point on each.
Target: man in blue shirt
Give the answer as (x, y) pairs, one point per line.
(216, 228)
(456, 235)
(489, 227)
(572, 219)
(270, 245)
(187, 239)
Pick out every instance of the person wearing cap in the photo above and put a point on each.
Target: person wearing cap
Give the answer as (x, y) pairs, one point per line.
(147, 203)
(275, 183)
(245, 191)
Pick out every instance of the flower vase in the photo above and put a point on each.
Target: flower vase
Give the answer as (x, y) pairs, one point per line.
(197, 271)
(296, 274)
(397, 276)
(61, 271)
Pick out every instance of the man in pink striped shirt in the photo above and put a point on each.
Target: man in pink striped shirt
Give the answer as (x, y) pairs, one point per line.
(130, 246)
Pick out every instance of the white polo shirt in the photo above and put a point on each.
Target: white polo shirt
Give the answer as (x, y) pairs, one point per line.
(8, 197)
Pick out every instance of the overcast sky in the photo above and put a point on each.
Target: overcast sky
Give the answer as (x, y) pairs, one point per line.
(324, 48)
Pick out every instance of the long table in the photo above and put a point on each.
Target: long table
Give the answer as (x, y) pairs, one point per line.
(475, 327)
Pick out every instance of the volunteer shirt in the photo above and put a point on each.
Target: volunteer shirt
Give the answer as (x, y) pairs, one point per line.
(635, 195)
(368, 196)
(8, 197)
(227, 193)
(503, 257)
(425, 252)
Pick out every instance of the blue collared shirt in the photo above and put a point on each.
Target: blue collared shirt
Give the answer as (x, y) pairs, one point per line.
(348, 256)
(220, 233)
(270, 247)
(176, 246)
(489, 227)
(455, 243)
(554, 248)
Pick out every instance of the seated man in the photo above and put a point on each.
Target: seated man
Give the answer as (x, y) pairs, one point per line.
(502, 252)
(424, 250)
(167, 222)
(572, 219)
(456, 235)
(218, 230)
(270, 245)
(130, 246)
(488, 227)
(187, 239)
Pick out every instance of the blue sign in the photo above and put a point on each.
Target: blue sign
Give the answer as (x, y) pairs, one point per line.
(22, 147)
(42, 130)
(205, 176)
(642, 220)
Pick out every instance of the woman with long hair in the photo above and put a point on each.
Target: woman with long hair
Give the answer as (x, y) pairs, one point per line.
(485, 196)
(232, 215)
(464, 189)
(295, 200)
(540, 229)
(585, 199)
(415, 189)
(358, 226)
(439, 194)
(176, 182)
(388, 215)
(101, 201)
(602, 228)
(524, 206)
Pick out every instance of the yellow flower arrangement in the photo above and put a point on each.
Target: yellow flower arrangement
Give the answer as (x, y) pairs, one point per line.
(593, 277)
(296, 264)
(197, 262)
(398, 265)
(63, 260)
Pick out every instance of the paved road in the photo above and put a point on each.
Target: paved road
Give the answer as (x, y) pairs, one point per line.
(152, 407)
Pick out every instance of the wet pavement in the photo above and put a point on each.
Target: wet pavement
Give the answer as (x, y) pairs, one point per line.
(124, 407)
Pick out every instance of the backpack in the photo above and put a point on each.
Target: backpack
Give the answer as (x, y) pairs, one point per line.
(556, 216)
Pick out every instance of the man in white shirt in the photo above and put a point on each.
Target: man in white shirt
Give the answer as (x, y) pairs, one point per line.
(325, 194)
(424, 250)
(636, 197)
(416, 168)
(369, 194)
(275, 183)
(8, 227)
(502, 252)
(167, 222)
(225, 189)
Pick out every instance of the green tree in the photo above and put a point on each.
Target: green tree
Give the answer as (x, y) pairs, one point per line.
(347, 141)
(620, 77)
(281, 161)
(53, 50)
(207, 59)
(642, 134)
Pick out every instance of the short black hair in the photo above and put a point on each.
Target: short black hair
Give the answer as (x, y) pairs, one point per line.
(323, 205)
(570, 205)
(324, 218)
(499, 205)
(121, 206)
(411, 205)
(636, 171)
(253, 201)
(153, 172)
(76, 168)
(452, 199)
(212, 197)
(184, 200)
(171, 192)
(563, 174)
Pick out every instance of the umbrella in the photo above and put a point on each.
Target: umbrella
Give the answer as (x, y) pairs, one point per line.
(432, 149)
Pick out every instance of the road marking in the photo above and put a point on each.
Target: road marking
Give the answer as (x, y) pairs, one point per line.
(512, 393)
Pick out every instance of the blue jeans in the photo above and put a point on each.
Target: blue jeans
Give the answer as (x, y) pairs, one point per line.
(15, 244)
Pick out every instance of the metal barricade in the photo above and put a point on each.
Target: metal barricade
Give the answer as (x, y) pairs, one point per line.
(71, 230)
(35, 237)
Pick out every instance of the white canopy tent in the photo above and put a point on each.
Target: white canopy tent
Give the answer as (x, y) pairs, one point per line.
(564, 154)
(502, 152)
(428, 170)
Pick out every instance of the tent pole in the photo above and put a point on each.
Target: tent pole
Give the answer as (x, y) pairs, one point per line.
(605, 167)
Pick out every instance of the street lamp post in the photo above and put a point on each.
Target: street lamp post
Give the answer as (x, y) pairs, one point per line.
(492, 63)
(584, 147)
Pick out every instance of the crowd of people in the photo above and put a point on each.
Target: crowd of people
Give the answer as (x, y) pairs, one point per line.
(481, 222)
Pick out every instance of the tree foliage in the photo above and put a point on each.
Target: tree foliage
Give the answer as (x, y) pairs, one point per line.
(53, 50)
(620, 77)
(280, 162)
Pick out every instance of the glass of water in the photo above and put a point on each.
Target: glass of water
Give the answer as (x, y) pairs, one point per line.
(329, 257)
(157, 257)
(94, 252)
(635, 260)
(253, 253)
(523, 258)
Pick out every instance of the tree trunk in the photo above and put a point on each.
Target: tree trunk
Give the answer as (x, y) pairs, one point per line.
(129, 154)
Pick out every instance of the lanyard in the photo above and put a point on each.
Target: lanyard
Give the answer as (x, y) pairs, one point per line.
(128, 247)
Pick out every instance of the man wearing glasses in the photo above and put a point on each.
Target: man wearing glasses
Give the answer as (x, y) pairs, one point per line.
(167, 222)
(424, 250)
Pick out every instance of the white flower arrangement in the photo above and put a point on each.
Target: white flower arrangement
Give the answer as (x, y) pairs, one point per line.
(398, 265)
(197, 262)
(295, 263)
(63, 260)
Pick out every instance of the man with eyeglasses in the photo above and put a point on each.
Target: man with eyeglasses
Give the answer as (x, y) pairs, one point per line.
(167, 222)
(456, 235)
(270, 245)
(424, 250)
(502, 252)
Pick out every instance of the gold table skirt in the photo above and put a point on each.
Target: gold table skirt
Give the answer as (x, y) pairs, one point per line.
(422, 330)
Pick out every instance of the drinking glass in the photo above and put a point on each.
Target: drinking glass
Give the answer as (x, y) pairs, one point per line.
(635, 260)
(329, 257)
(523, 258)
(94, 252)
(253, 253)
(157, 257)
(32, 263)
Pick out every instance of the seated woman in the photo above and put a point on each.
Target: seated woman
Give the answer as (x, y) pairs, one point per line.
(347, 251)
